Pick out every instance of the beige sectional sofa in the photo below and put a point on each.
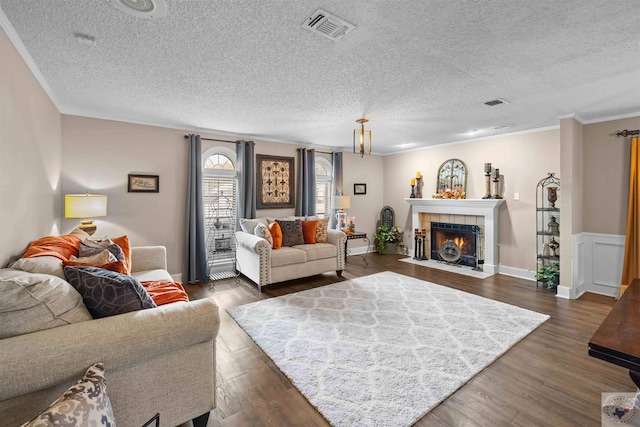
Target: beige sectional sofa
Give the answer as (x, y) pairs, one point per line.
(158, 360)
(257, 260)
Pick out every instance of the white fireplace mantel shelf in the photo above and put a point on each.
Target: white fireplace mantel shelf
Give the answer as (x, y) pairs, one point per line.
(487, 208)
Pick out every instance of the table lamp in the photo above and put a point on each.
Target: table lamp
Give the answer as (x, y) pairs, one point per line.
(341, 203)
(85, 206)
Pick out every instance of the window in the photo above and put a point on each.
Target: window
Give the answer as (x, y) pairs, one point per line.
(219, 190)
(324, 174)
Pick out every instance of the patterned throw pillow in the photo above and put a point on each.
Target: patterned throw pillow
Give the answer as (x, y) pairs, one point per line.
(309, 231)
(291, 232)
(83, 404)
(262, 230)
(89, 248)
(276, 235)
(107, 293)
(321, 231)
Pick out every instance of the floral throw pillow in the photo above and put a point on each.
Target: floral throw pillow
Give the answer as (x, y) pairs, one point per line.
(291, 232)
(83, 404)
(321, 231)
(262, 230)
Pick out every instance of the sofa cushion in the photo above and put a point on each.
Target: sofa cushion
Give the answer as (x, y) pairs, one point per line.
(117, 266)
(248, 225)
(106, 293)
(276, 234)
(101, 257)
(309, 230)
(288, 256)
(322, 230)
(33, 302)
(83, 404)
(123, 242)
(262, 231)
(148, 275)
(318, 251)
(291, 232)
(93, 247)
(62, 247)
(40, 265)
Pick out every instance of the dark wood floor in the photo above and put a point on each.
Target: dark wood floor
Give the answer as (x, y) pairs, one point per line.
(545, 380)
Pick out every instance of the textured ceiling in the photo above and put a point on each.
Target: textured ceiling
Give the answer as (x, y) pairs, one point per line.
(419, 70)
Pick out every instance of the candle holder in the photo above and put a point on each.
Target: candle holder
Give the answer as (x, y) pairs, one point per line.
(420, 245)
(413, 194)
(419, 188)
(496, 186)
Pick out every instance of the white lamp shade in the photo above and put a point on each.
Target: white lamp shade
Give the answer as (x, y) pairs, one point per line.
(342, 202)
(85, 205)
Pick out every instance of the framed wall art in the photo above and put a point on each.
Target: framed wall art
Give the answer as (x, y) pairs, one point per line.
(359, 188)
(144, 183)
(274, 182)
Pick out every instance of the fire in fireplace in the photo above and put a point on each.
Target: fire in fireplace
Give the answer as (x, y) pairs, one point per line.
(455, 243)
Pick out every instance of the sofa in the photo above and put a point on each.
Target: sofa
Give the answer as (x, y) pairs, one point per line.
(157, 361)
(257, 259)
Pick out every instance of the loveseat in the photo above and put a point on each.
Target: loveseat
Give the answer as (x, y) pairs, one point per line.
(259, 261)
(157, 360)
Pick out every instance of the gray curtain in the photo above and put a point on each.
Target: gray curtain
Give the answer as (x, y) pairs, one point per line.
(306, 179)
(336, 187)
(195, 268)
(246, 180)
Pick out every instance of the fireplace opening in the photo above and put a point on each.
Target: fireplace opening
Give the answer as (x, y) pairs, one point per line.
(455, 243)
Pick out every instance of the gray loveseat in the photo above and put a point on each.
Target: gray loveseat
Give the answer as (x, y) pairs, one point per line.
(256, 259)
(159, 360)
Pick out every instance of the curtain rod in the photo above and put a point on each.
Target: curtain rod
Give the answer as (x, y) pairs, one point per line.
(212, 139)
(318, 151)
(628, 132)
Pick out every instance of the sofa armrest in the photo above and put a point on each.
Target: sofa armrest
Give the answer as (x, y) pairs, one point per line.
(45, 359)
(253, 257)
(252, 242)
(145, 258)
(339, 239)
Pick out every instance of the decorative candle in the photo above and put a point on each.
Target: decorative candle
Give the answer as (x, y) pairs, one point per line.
(496, 173)
(487, 168)
(418, 174)
(413, 181)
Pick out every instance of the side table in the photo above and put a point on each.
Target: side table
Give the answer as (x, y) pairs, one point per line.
(356, 235)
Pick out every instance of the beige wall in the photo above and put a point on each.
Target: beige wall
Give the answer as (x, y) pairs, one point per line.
(606, 176)
(523, 159)
(30, 156)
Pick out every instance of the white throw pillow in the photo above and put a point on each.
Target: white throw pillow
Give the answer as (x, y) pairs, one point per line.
(249, 225)
(262, 230)
(40, 265)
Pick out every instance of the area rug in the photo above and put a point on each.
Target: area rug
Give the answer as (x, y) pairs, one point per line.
(384, 349)
(460, 269)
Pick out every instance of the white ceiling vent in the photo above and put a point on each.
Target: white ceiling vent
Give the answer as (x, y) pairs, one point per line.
(328, 25)
(496, 101)
(150, 9)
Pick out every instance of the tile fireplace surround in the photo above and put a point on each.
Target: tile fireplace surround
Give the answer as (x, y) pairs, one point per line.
(487, 208)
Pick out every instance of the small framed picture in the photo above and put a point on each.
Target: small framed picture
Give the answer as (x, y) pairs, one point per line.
(359, 188)
(144, 183)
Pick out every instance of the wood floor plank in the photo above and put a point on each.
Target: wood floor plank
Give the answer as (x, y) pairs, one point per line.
(547, 379)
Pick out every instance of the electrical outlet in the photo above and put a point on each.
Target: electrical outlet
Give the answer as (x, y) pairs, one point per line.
(516, 196)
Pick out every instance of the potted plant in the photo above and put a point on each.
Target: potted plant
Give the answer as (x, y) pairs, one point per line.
(388, 239)
(549, 275)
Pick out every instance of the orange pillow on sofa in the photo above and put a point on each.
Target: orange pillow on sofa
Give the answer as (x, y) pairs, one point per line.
(123, 242)
(309, 230)
(61, 247)
(276, 233)
(117, 266)
(165, 292)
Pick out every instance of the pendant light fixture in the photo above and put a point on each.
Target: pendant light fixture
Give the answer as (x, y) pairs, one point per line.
(362, 136)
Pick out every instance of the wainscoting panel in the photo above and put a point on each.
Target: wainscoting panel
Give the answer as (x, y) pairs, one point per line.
(598, 263)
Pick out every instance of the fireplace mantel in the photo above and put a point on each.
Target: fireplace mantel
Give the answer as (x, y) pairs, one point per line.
(487, 208)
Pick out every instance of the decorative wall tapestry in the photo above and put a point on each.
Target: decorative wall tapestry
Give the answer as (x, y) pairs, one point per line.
(274, 182)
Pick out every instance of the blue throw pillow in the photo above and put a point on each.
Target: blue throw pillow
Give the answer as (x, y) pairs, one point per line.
(107, 293)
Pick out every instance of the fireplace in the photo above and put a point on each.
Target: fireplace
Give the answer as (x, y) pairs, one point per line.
(455, 243)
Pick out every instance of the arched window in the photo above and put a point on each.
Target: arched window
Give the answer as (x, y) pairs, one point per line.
(219, 190)
(324, 174)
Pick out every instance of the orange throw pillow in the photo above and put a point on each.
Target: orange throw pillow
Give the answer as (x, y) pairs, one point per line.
(123, 242)
(61, 247)
(117, 266)
(165, 292)
(276, 233)
(309, 230)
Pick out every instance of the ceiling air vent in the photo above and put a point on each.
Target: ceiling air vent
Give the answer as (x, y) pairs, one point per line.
(328, 25)
(496, 101)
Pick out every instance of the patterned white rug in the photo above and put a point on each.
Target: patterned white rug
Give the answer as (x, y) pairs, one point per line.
(384, 349)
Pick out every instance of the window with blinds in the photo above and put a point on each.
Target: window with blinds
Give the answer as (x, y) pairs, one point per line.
(323, 187)
(219, 190)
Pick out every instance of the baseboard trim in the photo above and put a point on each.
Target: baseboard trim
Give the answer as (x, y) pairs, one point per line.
(517, 272)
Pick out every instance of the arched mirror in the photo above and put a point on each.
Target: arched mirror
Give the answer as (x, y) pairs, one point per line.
(452, 176)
